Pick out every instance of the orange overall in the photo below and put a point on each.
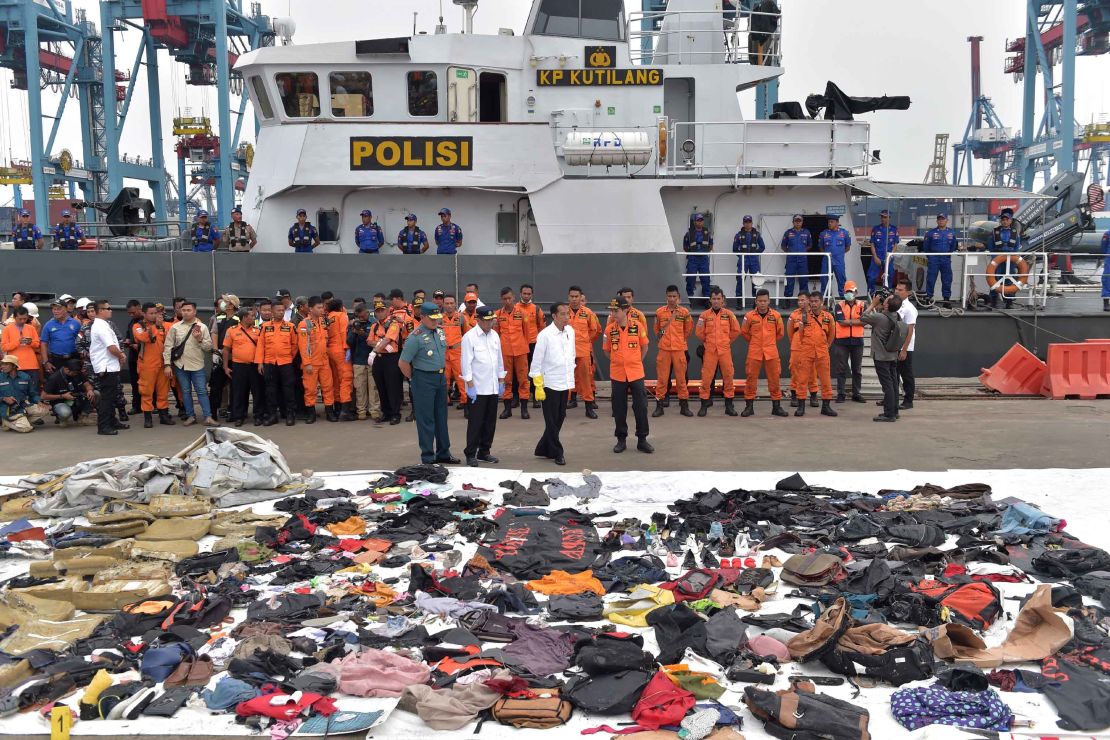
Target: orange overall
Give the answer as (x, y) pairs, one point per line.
(343, 375)
(796, 355)
(154, 386)
(510, 326)
(315, 369)
(717, 331)
(813, 349)
(673, 329)
(586, 331)
(454, 326)
(763, 333)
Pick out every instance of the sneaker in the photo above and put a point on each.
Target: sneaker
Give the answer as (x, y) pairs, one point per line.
(210, 422)
(189, 421)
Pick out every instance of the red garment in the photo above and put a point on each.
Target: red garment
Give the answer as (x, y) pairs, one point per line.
(288, 708)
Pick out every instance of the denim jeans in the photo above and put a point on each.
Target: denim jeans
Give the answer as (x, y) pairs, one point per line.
(188, 381)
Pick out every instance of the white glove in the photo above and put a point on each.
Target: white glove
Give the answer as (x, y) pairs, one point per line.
(370, 361)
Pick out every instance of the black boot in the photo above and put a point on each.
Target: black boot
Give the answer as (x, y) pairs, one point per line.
(620, 446)
(813, 400)
(840, 395)
(801, 410)
(749, 409)
(466, 411)
(793, 399)
(148, 420)
(858, 398)
(524, 409)
(777, 409)
(827, 409)
(508, 412)
(347, 411)
(309, 418)
(591, 412)
(684, 408)
(535, 404)
(730, 409)
(573, 403)
(164, 417)
(1106, 304)
(331, 413)
(658, 410)
(704, 408)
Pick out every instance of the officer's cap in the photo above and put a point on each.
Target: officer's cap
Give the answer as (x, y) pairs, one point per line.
(445, 211)
(379, 305)
(236, 209)
(302, 212)
(699, 217)
(884, 212)
(366, 212)
(942, 215)
(747, 219)
(470, 297)
(410, 217)
(66, 213)
(832, 216)
(396, 293)
(202, 214)
(484, 312)
(283, 293)
(619, 302)
(1007, 213)
(796, 217)
(25, 213)
(58, 302)
(431, 310)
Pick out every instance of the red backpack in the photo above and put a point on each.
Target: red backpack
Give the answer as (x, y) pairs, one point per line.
(975, 604)
(662, 703)
(695, 585)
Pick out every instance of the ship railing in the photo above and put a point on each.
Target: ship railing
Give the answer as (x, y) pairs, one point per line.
(705, 37)
(155, 236)
(970, 272)
(740, 283)
(765, 148)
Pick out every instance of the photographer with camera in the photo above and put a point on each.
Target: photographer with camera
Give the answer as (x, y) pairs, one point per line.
(888, 333)
(359, 343)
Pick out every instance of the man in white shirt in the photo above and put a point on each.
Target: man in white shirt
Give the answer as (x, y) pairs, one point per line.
(908, 312)
(552, 373)
(483, 371)
(105, 356)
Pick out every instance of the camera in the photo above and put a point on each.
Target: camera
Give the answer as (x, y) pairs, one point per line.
(882, 293)
(359, 327)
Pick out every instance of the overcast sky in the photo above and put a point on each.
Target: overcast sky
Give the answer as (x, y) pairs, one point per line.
(868, 47)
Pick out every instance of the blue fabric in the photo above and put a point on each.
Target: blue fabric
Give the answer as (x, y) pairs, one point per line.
(749, 245)
(884, 238)
(411, 241)
(447, 237)
(229, 693)
(66, 236)
(21, 388)
(940, 241)
(303, 238)
(1106, 265)
(941, 264)
(797, 265)
(796, 241)
(369, 239)
(189, 380)
(160, 662)
(697, 265)
(1022, 518)
(920, 707)
(204, 237)
(61, 337)
(26, 236)
(1006, 240)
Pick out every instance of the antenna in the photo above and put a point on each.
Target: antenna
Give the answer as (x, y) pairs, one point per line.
(441, 28)
(470, 7)
(414, 14)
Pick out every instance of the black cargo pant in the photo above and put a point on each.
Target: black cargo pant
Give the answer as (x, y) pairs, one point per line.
(281, 383)
(621, 390)
(842, 356)
(245, 379)
(106, 405)
(388, 378)
(905, 372)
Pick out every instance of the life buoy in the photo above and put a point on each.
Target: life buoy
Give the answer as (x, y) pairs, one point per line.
(663, 141)
(1010, 288)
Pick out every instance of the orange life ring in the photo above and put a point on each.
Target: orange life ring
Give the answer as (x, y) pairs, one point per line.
(1010, 288)
(662, 142)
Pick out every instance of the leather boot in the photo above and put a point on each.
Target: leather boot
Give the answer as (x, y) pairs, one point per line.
(332, 412)
(347, 411)
(309, 418)
(684, 408)
(801, 410)
(148, 420)
(165, 418)
(730, 409)
(827, 410)
(793, 399)
(658, 410)
(524, 409)
(749, 409)
(572, 403)
(508, 412)
(704, 408)
(777, 409)
(591, 410)
(813, 402)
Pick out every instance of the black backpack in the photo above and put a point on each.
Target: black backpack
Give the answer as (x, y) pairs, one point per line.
(586, 607)
(612, 653)
(898, 665)
(1071, 563)
(198, 565)
(607, 693)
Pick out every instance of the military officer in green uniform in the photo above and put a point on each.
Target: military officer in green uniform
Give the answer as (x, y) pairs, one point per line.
(422, 361)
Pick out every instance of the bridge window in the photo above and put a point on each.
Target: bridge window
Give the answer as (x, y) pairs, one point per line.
(352, 94)
(423, 94)
(300, 94)
(261, 98)
(589, 19)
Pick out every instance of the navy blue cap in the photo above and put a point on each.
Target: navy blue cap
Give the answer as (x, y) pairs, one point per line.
(884, 212)
(444, 211)
(943, 215)
(366, 212)
(832, 216)
(484, 312)
(202, 213)
(24, 213)
(236, 209)
(1008, 212)
(410, 217)
(747, 219)
(796, 217)
(66, 213)
(302, 212)
(431, 310)
(699, 217)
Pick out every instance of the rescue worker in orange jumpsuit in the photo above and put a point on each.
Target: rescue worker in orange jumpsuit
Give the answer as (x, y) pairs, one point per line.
(818, 329)
(149, 336)
(797, 391)
(315, 370)
(240, 346)
(634, 313)
(626, 344)
(342, 372)
(717, 329)
(672, 328)
(763, 328)
(454, 325)
(405, 315)
(587, 329)
(274, 357)
(509, 325)
(534, 321)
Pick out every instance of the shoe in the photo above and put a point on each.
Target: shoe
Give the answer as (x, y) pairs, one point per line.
(827, 409)
(658, 410)
(620, 446)
(704, 408)
(449, 461)
(165, 419)
(123, 416)
(411, 416)
(507, 413)
(488, 458)
(560, 461)
(905, 405)
(535, 404)
(269, 421)
(472, 462)
(813, 402)
(347, 412)
(947, 303)
(684, 408)
(395, 420)
(257, 422)
(840, 398)
(644, 446)
(730, 409)
(210, 422)
(331, 414)
(591, 405)
(590, 413)
(749, 409)
(310, 418)
(801, 410)
(708, 560)
(572, 403)
(879, 403)
(883, 417)
(240, 422)
(148, 420)
(524, 410)
(857, 398)
(290, 421)
(222, 414)
(777, 409)
(466, 412)
(107, 432)
(793, 399)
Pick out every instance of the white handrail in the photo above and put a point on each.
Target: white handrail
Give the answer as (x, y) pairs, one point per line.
(774, 282)
(1034, 285)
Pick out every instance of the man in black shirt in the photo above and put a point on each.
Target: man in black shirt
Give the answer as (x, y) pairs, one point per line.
(69, 393)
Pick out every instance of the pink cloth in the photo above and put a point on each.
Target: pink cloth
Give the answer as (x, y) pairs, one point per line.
(379, 673)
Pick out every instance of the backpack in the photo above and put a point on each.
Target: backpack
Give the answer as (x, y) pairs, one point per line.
(903, 657)
(662, 703)
(607, 693)
(612, 652)
(695, 585)
(198, 565)
(897, 336)
(975, 604)
(538, 709)
(1071, 563)
(814, 569)
(800, 714)
(489, 626)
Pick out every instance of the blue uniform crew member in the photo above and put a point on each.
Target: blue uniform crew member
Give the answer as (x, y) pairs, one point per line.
(368, 236)
(206, 237)
(795, 243)
(838, 242)
(423, 359)
(448, 235)
(1007, 238)
(67, 234)
(1106, 271)
(748, 243)
(939, 244)
(883, 238)
(58, 339)
(698, 243)
(412, 239)
(26, 235)
(303, 237)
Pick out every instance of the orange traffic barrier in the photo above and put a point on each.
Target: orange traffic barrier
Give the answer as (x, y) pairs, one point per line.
(1080, 370)
(1018, 372)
